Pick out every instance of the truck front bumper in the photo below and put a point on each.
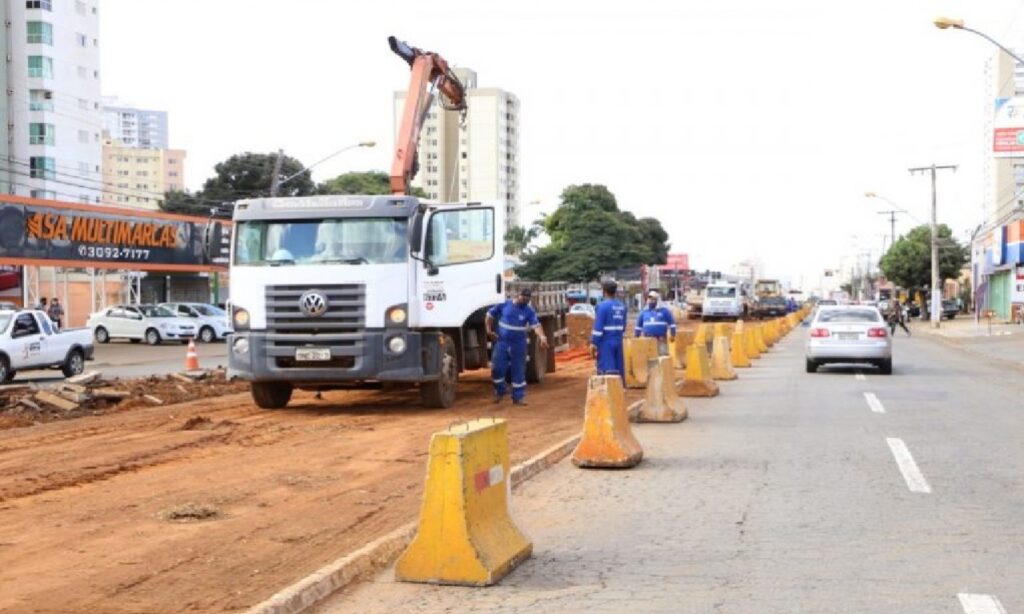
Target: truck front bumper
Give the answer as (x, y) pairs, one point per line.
(253, 356)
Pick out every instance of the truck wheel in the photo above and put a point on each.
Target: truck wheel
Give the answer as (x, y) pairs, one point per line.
(152, 337)
(207, 335)
(6, 373)
(271, 395)
(74, 365)
(440, 393)
(537, 365)
(101, 334)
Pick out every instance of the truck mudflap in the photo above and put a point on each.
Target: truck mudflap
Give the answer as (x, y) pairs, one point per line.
(256, 356)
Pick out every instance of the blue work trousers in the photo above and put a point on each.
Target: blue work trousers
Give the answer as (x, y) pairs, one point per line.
(609, 357)
(509, 354)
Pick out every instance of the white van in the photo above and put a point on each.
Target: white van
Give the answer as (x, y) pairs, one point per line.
(722, 300)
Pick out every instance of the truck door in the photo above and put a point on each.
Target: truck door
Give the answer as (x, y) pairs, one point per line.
(28, 342)
(465, 266)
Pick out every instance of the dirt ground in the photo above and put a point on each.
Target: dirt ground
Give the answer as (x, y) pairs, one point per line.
(214, 505)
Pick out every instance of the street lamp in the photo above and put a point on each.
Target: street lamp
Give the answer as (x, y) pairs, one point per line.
(943, 23)
(277, 184)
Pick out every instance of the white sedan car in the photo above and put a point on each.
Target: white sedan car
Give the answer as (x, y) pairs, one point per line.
(151, 323)
(212, 320)
(849, 334)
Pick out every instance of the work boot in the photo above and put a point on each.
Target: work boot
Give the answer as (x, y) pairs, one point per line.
(498, 398)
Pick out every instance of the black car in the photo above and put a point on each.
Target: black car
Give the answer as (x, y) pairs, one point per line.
(770, 307)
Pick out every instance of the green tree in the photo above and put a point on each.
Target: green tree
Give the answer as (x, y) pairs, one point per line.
(250, 175)
(368, 182)
(590, 236)
(517, 239)
(185, 203)
(908, 263)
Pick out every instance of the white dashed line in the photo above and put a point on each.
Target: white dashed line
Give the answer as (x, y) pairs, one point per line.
(859, 377)
(915, 480)
(973, 603)
(874, 403)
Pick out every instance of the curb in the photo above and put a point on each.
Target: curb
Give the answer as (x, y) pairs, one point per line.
(995, 360)
(383, 551)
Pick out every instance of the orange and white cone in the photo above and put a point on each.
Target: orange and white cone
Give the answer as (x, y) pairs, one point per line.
(191, 358)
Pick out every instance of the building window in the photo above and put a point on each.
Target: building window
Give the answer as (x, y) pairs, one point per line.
(172, 161)
(42, 167)
(172, 173)
(80, 7)
(40, 134)
(40, 100)
(83, 104)
(83, 167)
(84, 198)
(83, 136)
(39, 4)
(40, 32)
(123, 173)
(44, 194)
(81, 39)
(40, 66)
(96, 74)
(142, 173)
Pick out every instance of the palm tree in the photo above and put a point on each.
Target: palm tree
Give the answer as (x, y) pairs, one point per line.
(517, 239)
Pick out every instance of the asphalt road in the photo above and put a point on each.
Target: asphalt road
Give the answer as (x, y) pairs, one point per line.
(125, 359)
(839, 491)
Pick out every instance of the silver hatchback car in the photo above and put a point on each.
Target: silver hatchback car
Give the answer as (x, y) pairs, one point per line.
(849, 334)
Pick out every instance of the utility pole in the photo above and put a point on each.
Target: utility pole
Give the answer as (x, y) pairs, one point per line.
(275, 179)
(935, 310)
(892, 224)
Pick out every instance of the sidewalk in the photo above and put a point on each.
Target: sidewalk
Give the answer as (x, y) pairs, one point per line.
(997, 342)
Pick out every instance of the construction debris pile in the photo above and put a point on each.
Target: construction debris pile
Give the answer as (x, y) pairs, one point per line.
(90, 394)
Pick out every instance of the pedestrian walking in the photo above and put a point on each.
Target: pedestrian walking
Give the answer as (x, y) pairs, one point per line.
(656, 322)
(897, 316)
(514, 319)
(41, 305)
(606, 337)
(56, 312)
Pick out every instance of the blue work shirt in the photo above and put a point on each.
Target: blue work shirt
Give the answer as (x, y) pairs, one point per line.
(609, 321)
(657, 322)
(514, 321)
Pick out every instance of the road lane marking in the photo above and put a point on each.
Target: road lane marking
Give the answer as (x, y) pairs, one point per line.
(974, 603)
(859, 377)
(874, 403)
(915, 480)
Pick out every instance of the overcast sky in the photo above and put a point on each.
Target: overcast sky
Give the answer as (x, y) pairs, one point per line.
(749, 128)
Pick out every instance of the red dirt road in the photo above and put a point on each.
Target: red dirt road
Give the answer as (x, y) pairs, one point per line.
(87, 506)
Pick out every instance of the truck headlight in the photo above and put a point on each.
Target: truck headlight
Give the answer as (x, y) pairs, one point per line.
(396, 345)
(241, 346)
(396, 315)
(241, 318)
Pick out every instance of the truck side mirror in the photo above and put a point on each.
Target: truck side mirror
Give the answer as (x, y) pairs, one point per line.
(415, 231)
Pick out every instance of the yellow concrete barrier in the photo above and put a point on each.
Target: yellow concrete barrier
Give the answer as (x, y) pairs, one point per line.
(738, 353)
(465, 533)
(660, 404)
(684, 339)
(759, 338)
(698, 381)
(607, 440)
(703, 336)
(750, 343)
(721, 360)
(722, 329)
(637, 351)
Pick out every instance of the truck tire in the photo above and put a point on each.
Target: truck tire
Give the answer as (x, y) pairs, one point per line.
(74, 364)
(6, 372)
(101, 334)
(440, 393)
(536, 362)
(271, 395)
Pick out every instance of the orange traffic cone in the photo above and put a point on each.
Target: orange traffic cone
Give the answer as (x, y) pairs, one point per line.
(191, 358)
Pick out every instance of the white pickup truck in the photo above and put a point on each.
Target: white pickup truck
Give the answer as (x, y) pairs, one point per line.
(29, 340)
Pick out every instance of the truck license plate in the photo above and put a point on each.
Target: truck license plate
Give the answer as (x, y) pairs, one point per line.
(311, 354)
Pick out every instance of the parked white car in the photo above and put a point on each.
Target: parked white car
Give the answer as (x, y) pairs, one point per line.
(151, 323)
(29, 340)
(212, 320)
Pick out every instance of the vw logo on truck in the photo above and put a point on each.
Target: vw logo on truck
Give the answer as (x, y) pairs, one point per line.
(313, 304)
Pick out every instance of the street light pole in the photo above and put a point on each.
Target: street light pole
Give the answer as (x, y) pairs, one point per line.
(957, 24)
(935, 309)
(276, 185)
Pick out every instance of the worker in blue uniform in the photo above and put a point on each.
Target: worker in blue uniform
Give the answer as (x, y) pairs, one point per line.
(514, 320)
(606, 338)
(657, 322)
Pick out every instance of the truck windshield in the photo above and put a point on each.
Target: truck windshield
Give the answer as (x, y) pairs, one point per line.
(721, 292)
(330, 241)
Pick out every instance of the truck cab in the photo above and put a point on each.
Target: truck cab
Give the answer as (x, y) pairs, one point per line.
(359, 291)
(722, 300)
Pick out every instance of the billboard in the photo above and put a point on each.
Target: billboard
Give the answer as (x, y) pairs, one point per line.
(49, 233)
(1008, 128)
(676, 262)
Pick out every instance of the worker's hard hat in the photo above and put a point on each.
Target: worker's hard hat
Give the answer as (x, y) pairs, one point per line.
(653, 294)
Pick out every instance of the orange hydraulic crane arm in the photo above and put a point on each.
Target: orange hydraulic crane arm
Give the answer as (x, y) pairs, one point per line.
(429, 72)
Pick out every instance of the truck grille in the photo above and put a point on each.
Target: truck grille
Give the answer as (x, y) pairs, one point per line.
(340, 328)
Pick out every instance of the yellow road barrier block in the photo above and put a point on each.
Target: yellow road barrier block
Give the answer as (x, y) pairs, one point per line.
(721, 360)
(698, 381)
(465, 534)
(771, 335)
(637, 352)
(750, 343)
(738, 352)
(759, 338)
(661, 404)
(684, 338)
(703, 336)
(739, 327)
(722, 329)
(607, 440)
